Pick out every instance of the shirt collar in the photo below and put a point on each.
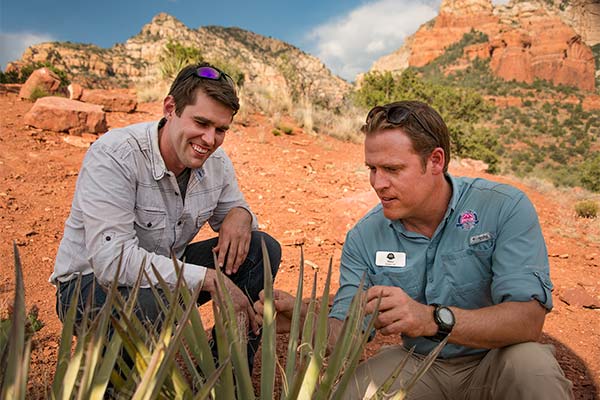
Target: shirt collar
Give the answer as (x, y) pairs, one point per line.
(159, 168)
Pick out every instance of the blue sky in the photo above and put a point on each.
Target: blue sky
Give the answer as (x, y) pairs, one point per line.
(347, 35)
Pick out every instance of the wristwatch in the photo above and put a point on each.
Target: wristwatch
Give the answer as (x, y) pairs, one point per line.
(444, 318)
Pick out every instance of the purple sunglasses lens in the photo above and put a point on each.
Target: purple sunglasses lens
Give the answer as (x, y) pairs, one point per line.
(209, 73)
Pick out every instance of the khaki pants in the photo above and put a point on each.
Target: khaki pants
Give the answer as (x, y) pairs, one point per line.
(518, 372)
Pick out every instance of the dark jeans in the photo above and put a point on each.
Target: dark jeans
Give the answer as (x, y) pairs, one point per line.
(249, 278)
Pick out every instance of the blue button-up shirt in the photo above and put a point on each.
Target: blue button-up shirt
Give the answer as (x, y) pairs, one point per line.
(126, 201)
(487, 249)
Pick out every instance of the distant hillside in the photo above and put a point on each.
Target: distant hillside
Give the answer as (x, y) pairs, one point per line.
(515, 83)
(525, 40)
(271, 66)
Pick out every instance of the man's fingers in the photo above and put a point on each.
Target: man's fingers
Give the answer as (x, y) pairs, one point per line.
(376, 291)
(231, 256)
(221, 249)
(242, 253)
(259, 307)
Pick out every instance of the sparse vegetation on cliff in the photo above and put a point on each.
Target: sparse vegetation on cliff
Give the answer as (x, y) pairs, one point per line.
(462, 110)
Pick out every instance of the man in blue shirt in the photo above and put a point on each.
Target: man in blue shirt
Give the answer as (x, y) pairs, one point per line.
(448, 256)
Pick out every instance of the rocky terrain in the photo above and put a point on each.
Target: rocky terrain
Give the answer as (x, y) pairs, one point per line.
(526, 40)
(306, 190)
(279, 70)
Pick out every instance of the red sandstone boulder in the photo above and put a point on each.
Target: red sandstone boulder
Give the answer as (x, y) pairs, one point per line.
(111, 100)
(75, 91)
(591, 102)
(64, 115)
(43, 79)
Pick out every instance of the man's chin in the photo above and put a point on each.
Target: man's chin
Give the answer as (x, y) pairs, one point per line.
(391, 214)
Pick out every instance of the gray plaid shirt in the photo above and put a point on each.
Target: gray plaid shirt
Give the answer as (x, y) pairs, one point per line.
(127, 201)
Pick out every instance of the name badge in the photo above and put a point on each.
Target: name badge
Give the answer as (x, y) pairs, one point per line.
(390, 259)
(484, 237)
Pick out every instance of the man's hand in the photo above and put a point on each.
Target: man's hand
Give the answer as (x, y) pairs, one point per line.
(284, 308)
(241, 303)
(400, 314)
(234, 239)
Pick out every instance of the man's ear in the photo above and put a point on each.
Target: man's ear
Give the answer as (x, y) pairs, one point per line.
(437, 158)
(168, 106)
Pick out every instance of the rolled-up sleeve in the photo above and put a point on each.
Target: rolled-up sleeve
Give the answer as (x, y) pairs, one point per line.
(520, 260)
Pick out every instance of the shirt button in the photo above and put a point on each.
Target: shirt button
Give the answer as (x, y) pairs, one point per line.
(149, 224)
(179, 222)
(108, 238)
(430, 280)
(176, 194)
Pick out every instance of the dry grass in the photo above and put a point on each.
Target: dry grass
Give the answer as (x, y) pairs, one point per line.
(151, 90)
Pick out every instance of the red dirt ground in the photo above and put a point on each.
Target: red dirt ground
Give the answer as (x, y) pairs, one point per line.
(305, 189)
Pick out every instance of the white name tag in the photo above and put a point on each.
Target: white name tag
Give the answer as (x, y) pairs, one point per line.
(390, 259)
(484, 237)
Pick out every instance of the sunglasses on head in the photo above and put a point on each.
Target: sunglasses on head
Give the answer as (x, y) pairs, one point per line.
(397, 114)
(212, 73)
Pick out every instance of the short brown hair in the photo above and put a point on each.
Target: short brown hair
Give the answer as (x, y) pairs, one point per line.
(422, 124)
(183, 88)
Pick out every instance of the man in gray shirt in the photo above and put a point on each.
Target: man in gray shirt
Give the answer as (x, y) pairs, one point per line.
(143, 193)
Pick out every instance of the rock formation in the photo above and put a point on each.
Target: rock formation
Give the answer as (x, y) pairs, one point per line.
(269, 64)
(527, 40)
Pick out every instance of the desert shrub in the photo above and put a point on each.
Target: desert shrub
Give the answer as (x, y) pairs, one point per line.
(590, 173)
(461, 109)
(586, 209)
(230, 69)
(10, 77)
(38, 92)
(175, 56)
(288, 130)
(26, 70)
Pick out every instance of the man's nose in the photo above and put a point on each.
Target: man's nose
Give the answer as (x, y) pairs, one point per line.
(379, 180)
(209, 135)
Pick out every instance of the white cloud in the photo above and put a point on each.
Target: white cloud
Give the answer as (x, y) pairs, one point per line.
(12, 45)
(349, 44)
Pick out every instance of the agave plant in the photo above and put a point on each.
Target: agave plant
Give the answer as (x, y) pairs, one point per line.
(119, 356)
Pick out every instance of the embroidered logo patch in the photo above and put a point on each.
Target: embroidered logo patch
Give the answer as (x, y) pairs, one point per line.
(467, 220)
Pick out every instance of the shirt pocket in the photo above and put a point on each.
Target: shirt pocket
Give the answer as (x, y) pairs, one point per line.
(150, 227)
(469, 272)
(406, 278)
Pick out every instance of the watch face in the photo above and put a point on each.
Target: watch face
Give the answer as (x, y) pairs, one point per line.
(446, 316)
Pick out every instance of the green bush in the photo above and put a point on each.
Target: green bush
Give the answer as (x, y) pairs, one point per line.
(590, 173)
(26, 70)
(461, 109)
(586, 209)
(175, 56)
(38, 92)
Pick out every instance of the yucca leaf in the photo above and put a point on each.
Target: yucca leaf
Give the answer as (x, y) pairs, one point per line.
(269, 329)
(212, 381)
(425, 364)
(225, 388)
(385, 387)
(306, 345)
(12, 384)
(356, 352)
(237, 339)
(66, 341)
(312, 375)
(290, 365)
